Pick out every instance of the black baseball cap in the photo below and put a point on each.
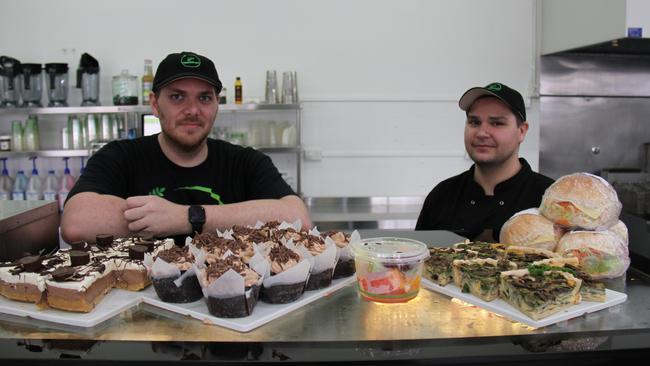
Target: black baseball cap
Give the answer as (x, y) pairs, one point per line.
(185, 65)
(507, 95)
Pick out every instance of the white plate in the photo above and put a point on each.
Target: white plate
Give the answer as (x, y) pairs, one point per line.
(262, 313)
(501, 307)
(112, 304)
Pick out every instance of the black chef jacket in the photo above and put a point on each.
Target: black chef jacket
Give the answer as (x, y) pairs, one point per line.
(459, 204)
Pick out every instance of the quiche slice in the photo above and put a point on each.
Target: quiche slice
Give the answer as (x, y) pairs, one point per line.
(523, 256)
(438, 267)
(590, 290)
(540, 290)
(480, 276)
(484, 249)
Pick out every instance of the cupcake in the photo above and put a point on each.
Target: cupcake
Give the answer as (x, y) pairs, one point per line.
(322, 256)
(288, 275)
(345, 263)
(173, 277)
(230, 286)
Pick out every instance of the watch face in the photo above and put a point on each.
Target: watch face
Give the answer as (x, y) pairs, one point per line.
(196, 214)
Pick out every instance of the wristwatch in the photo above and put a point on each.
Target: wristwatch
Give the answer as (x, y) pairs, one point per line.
(196, 216)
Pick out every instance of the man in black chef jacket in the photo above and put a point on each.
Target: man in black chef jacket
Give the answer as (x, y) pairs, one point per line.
(476, 203)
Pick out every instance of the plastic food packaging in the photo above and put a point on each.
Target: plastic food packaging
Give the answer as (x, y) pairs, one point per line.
(602, 254)
(529, 228)
(581, 200)
(389, 269)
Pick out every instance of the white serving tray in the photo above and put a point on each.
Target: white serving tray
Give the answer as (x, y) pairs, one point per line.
(262, 313)
(502, 308)
(112, 304)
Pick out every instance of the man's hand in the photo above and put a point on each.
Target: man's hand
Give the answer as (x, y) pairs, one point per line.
(156, 215)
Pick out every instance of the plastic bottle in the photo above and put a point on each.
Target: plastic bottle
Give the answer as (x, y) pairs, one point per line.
(6, 182)
(50, 186)
(20, 184)
(147, 82)
(91, 129)
(31, 136)
(34, 190)
(66, 184)
(238, 91)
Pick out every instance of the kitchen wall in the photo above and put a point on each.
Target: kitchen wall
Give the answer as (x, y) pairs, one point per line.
(379, 79)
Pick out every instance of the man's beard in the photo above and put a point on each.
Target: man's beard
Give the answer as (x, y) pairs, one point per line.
(181, 144)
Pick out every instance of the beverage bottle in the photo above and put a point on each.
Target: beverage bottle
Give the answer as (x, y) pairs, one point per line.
(91, 129)
(31, 138)
(50, 186)
(20, 184)
(66, 184)
(34, 190)
(6, 183)
(238, 91)
(147, 82)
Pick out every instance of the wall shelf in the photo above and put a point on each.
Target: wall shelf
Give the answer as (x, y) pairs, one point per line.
(140, 109)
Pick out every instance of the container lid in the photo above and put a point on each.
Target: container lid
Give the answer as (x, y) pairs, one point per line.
(10, 67)
(32, 68)
(57, 68)
(390, 250)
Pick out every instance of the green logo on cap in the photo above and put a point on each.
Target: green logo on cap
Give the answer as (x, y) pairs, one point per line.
(190, 60)
(494, 87)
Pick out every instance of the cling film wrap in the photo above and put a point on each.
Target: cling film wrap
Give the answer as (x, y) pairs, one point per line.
(621, 230)
(602, 254)
(581, 200)
(529, 228)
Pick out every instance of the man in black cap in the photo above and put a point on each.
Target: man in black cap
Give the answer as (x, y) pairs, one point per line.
(476, 203)
(179, 181)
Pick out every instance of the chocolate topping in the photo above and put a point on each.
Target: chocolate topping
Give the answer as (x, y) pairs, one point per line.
(104, 240)
(282, 254)
(147, 237)
(137, 252)
(63, 273)
(176, 254)
(80, 245)
(221, 266)
(79, 258)
(31, 263)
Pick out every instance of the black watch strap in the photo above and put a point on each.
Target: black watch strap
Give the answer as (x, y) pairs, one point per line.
(196, 216)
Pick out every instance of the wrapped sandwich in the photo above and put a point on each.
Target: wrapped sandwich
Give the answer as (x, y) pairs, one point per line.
(601, 254)
(581, 200)
(530, 229)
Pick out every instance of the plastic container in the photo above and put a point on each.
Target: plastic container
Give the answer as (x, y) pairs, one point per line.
(20, 185)
(6, 182)
(34, 190)
(50, 186)
(389, 269)
(125, 89)
(67, 182)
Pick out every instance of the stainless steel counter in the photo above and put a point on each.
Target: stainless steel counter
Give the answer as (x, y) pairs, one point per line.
(342, 326)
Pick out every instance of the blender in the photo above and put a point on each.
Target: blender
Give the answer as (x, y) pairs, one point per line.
(32, 85)
(88, 80)
(57, 84)
(10, 70)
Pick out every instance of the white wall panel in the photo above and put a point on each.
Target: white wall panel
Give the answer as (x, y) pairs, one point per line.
(379, 78)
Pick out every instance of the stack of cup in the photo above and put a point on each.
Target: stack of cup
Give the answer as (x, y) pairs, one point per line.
(271, 95)
(289, 87)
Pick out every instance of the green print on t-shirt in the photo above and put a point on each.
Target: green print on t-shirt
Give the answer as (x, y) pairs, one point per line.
(160, 192)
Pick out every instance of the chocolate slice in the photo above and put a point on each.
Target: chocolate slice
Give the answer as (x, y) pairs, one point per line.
(137, 252)
(104, 240)
(148, 244)
(62, 274)
(79, 258)
(31, 263)
(80, 245)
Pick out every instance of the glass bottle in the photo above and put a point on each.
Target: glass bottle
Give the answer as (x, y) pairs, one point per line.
(238, 91)
(147, 82)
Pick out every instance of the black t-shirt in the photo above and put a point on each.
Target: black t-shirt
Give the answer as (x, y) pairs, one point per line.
(459, 204)
(230, 174)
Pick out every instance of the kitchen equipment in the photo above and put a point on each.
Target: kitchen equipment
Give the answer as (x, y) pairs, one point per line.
(32, 90)
(125, 89)
(88, 80)
(272, 96)
(57, 84)
(389, 269)
(10, 83)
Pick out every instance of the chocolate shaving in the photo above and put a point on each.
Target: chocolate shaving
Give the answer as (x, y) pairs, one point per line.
(63, 274)
(282, 254)
(176, 254)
